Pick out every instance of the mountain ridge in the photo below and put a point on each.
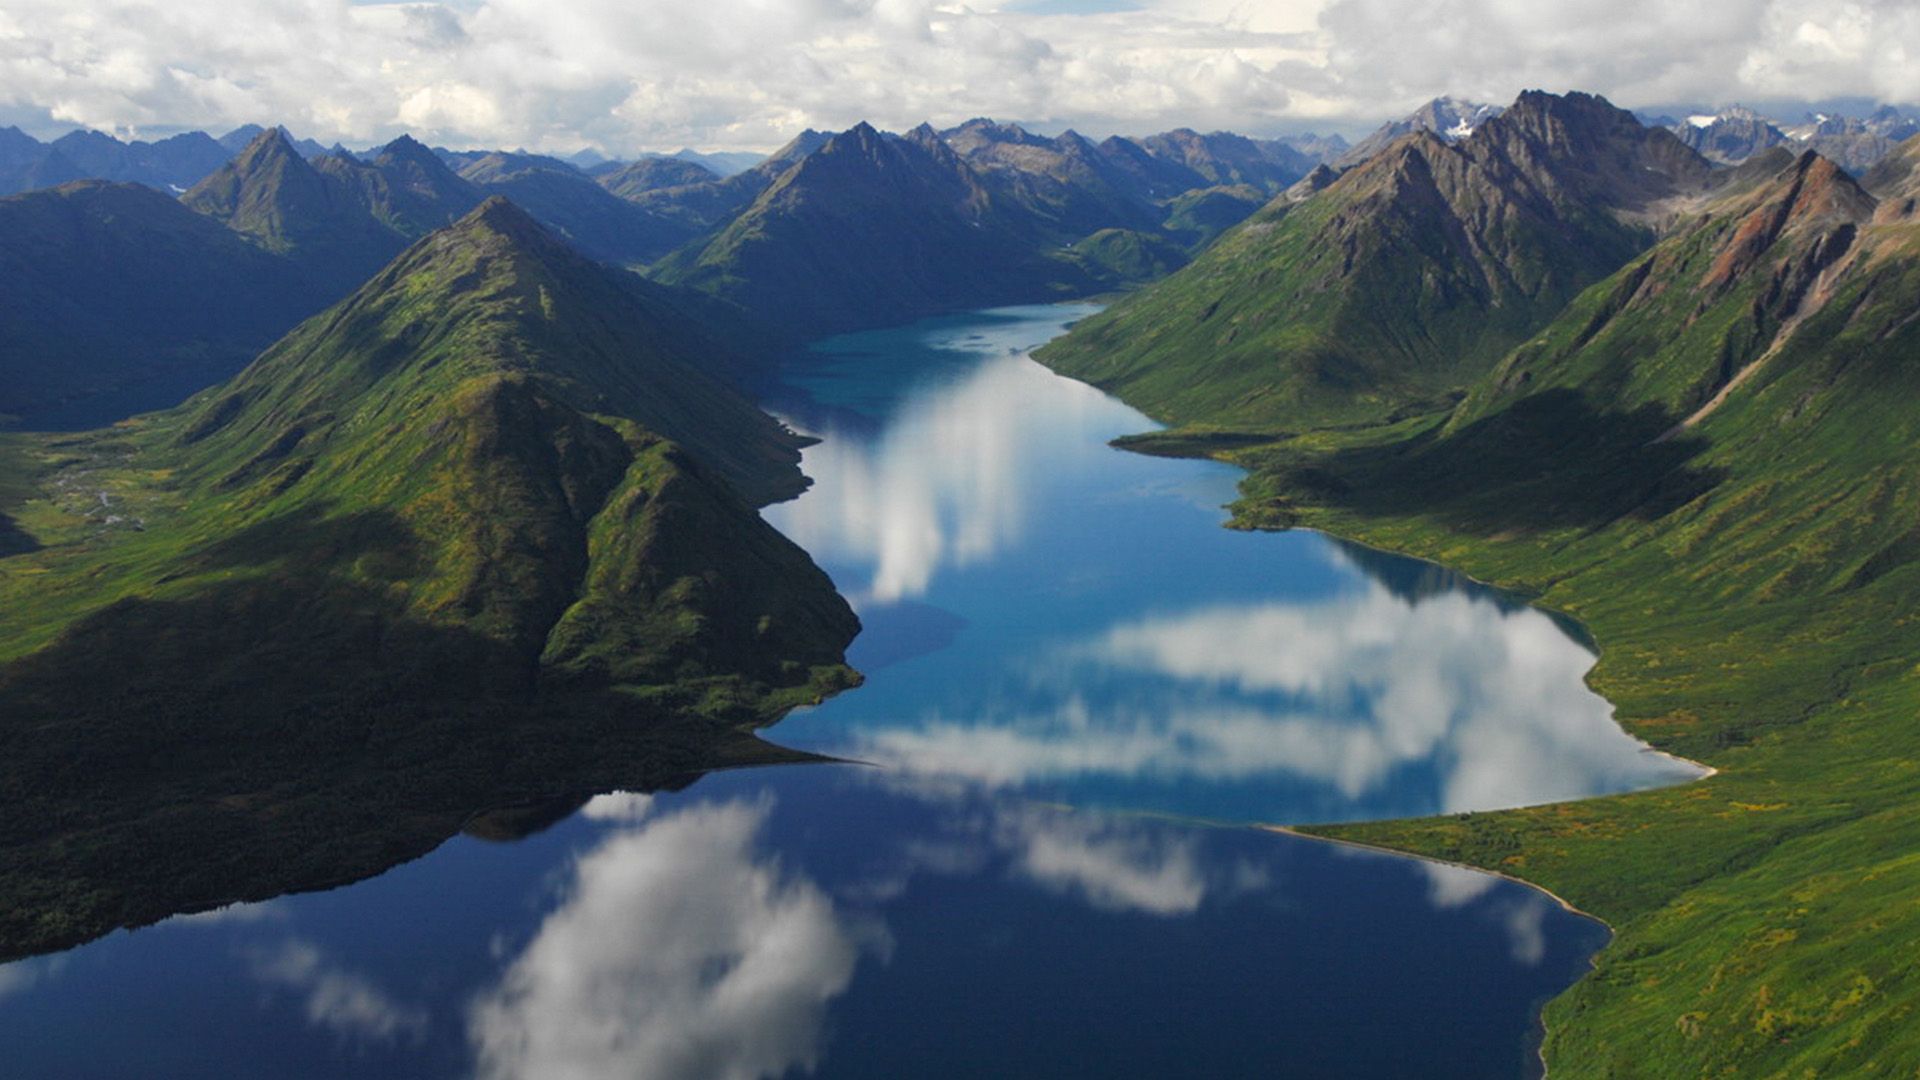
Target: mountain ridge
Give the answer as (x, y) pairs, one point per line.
(436, 546)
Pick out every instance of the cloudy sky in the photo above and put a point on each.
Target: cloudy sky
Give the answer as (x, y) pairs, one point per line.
(624, 75)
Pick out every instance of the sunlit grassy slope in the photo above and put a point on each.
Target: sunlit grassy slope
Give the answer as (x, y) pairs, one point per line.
(1751, 579)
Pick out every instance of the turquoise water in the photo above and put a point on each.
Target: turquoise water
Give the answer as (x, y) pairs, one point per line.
(1071, 668)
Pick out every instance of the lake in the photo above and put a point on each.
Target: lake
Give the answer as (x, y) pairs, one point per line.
(1040, 861)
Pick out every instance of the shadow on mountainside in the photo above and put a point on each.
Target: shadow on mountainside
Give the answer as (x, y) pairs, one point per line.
(1549, 462)
(289, 730)
(13, 539)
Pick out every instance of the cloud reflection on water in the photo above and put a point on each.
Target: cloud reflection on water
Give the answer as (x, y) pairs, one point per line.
(345, 1002)
(947, 483)
(680, 950)
(1350, 692)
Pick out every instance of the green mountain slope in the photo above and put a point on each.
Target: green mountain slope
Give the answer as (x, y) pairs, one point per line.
(115, 286)
(1709, 458)
(487, 507)
(1393, 287)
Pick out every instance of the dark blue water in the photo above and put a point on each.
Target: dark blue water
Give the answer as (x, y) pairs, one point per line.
(1070, 664)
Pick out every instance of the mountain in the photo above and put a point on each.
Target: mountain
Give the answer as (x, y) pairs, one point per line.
(26, 163)
(1733, 135)
(173, 164)
(600, 223)
(1709, 458)
(873, 229)
(702, 207)
(1158, 178)
(1067, 180)
(117, 287)
(587, 159)
(1225, 159)
(1895, 181)
(405, 186)
(651, 174)
(1730, 136)
(1449, 118)
(1399, 282)
(273, 195)
(1856, 143)
(1707, 455)
(236, 140)
(1317, 149)
(721, 163)
(487, 511)
(1702, 312)
(1196, 218)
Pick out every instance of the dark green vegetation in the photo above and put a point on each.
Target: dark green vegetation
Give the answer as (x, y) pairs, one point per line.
(112, 284)
(482, 532)
(1707, 456)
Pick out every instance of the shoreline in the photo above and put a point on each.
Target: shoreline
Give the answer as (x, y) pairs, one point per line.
(1707, 772)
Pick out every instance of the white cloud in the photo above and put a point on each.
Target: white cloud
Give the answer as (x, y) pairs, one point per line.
(557, 74)
(346, 1002)
(679, 951)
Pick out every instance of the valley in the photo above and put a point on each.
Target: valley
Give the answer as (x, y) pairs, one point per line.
(361, 511)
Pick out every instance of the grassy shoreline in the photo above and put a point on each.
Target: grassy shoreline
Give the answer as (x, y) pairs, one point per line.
(1765, 915)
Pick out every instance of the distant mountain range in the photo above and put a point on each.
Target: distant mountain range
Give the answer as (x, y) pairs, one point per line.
(178, 162)
(828, 233)
(1856, 144)
(832, 232)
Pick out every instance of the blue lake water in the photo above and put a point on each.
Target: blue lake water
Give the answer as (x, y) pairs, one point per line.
(1081, 692)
